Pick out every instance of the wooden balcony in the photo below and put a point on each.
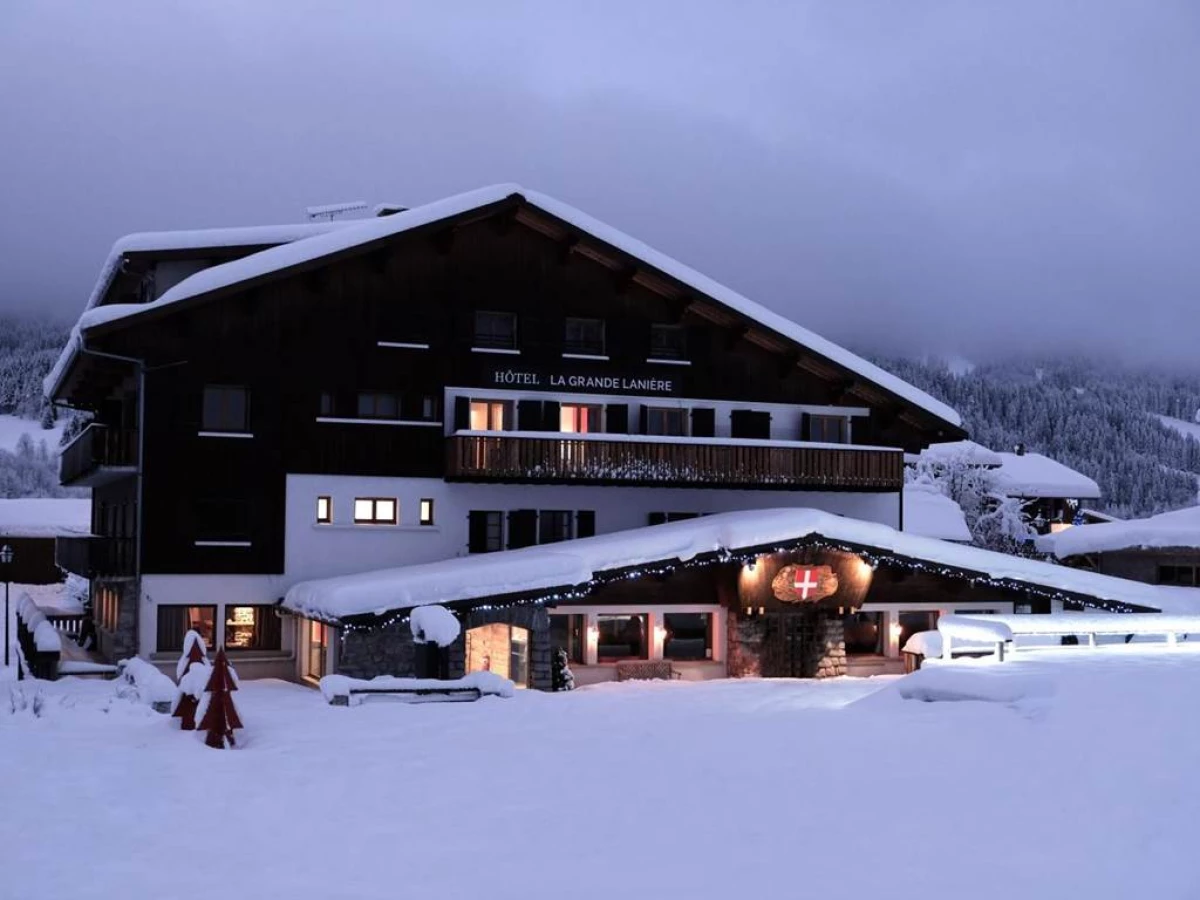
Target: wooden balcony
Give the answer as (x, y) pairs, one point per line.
(671, 462)
(98, 455)
(91, 556)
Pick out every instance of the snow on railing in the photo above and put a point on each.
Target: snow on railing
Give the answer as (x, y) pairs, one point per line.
(965, 628)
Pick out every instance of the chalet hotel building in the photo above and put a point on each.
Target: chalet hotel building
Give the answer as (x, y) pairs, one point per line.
(487, 372)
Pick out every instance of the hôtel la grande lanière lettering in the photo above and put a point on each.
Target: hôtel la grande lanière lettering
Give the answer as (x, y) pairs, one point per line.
(617, 384)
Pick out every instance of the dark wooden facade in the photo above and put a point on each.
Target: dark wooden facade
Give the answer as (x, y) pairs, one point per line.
(306, 341)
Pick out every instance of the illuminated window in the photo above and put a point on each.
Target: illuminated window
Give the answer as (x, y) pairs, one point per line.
(488, 415)
(499, 648)
(315, 653)
(324, 509)
(375, 510)
(426, 512)
(252, 628)
(176, 621)
(579, 419)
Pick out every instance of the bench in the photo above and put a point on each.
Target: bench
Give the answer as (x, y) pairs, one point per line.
(411, 695)
(646, 670)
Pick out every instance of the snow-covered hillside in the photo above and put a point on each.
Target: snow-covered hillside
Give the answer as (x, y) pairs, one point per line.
(1187, 429)
(12, 427)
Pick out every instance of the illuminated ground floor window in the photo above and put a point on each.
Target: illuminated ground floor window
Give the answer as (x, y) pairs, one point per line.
(316, 649)
(499, 648)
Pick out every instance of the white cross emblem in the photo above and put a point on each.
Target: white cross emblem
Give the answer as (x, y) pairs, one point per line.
(808, 585)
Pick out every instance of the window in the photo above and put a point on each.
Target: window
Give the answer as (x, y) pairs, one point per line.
(225, 408)
(375, 510)
(621, 637)
(864, 633)
(828, 429)
(430, 408)
(584, 336)
(665, 421)
(252, 628)
(579, 419)
(566, 631)
(488, 415)
(376, 405)
(499, 648)
(325, 405)
(914, 621)
(668, 342)
(486, 531)
(1179, 575)
(689, 636)
(176, 621)
(222, 520)
(554, 525)
(518, 656)
(316, 651)
(496, 330)
(426, 512)
(324, 510)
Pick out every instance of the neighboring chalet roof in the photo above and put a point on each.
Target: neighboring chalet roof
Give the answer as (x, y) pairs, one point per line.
(1180, 528)
(1031, 475)
(572, 565)
(44, 517)
(163, 243)
(930, 513)
(968, 452)
(355, 234)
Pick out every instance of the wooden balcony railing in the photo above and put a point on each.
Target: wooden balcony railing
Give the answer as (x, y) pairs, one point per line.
(97, 455)
(92, 556)
(746, 464)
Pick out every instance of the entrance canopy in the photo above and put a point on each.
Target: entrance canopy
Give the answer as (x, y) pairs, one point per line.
(572, 570)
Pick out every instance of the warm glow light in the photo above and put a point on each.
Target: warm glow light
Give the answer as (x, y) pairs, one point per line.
(1056, 527)
(593, 634)
(660, 632)
(895, 629)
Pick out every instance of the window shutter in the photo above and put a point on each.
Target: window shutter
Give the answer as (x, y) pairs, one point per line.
(529, 415)
(616, 418)
(657, 518)
(462, 413)
(704, 422)
(806, 426)
(551, 420)
(477, 531)
(585, 523)
(644, 420)
(522, 528)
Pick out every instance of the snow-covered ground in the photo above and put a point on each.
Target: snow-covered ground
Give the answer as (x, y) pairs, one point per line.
(1187, 429)
(1069, 773)
(11, 429)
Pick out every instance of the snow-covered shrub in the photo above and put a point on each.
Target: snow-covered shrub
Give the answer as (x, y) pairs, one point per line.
(139, 680)
(562, 678)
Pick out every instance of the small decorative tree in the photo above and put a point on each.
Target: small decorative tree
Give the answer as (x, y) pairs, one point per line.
(219, 717)
(192, 672)
(562, 678)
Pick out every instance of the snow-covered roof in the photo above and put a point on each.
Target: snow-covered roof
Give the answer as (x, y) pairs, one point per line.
(45, 517)
(166, 242)
(930, 513)
(968, 452)
(1180, 528)
(1034, 475)
(574, 563)
(355, 233)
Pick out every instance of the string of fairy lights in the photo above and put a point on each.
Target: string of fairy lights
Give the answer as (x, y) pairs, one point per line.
(873, 557)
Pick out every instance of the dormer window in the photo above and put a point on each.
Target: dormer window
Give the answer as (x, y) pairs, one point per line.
(496, 330)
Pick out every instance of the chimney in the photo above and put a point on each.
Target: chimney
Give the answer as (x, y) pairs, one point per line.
(1019, 449)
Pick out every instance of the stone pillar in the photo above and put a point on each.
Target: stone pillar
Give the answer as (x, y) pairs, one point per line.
(832, 641)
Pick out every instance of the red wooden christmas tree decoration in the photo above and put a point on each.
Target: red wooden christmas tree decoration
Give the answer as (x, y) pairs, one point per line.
(185, 706)
(220, 715)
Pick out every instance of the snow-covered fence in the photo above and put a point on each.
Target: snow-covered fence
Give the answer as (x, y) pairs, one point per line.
(975, 631)
(38, 640)
(1090, 625)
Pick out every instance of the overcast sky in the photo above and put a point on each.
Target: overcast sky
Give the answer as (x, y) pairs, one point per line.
(902, 176)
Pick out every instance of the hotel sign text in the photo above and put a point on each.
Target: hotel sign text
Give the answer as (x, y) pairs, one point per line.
(608, 384)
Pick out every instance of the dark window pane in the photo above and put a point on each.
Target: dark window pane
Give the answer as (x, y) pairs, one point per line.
(225, 408)
(864, 633)
(689, 636)
(554, 525)
(664, 421)
(222, 520)
(584, 336)
(566, 631)
(621, 637)
(496, 330)
(668, 342)
(176, 621)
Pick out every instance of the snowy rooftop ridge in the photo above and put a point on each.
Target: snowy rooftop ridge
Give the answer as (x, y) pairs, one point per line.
(166, 241)
(45, 517)
(1179, 528)
(573, 563)
(1034, 475)
(347, 235)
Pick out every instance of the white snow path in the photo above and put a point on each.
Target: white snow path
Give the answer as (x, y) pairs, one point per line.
(712, 790)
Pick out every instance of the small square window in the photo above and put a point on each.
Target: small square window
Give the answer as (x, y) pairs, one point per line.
(665, 421)
(325, 407)
(584, 336)
(426, 512)
(668, 342)
(496, 330)
(375, 511)
(324, 509)
(378, 405)
(225, 408)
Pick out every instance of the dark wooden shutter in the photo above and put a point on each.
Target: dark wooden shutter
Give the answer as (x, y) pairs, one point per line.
(748, 423)
(551, 420)
(522, 528)
(477, 531)
(616, 418)
(806, 426)
(462, 413)
(529, 415)
(657, 518)
(704, 422)
(643, 419)
(585, 523)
